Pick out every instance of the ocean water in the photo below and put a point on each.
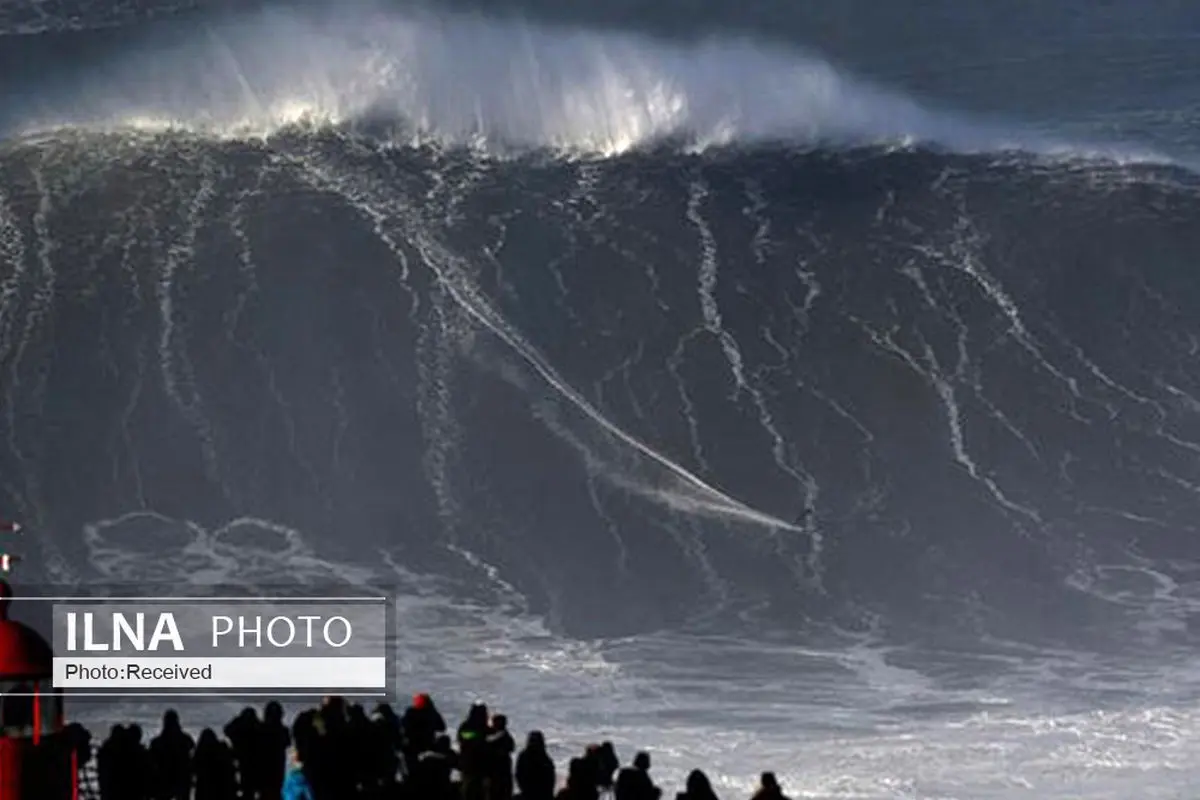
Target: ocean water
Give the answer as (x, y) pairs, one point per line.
(810, 388)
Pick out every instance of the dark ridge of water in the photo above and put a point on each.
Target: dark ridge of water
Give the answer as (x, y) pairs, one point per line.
(755, 387)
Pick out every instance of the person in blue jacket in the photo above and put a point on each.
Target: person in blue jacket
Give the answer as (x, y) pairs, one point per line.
(295, 783)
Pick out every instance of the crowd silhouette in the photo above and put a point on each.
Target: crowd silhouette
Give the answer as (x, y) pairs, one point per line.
(338, 752)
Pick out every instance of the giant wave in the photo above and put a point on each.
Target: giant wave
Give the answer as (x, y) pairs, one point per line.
(643, 335)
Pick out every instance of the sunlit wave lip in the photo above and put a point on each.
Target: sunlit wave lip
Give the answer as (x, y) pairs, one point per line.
(290, 117)
(282, 116)
(298, 116)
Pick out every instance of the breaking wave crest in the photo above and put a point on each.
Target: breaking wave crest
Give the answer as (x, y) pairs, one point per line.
(498, 85)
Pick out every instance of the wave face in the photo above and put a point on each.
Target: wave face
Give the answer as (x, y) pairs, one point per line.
(643, 335)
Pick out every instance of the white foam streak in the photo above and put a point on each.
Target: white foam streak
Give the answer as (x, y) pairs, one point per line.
(466, 80)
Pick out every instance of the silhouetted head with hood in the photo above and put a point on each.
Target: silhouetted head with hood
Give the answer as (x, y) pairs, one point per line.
(698, 787)
(769, 788)
(477, 716)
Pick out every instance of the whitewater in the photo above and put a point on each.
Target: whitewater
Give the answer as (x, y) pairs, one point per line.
(708, 394)
(463, 80)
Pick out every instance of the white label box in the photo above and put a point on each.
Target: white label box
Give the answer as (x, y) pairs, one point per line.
(136, 673)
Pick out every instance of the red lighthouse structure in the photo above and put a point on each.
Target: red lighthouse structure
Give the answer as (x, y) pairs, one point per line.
(37, 759)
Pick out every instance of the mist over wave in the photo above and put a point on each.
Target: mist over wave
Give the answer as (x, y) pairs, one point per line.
(458, 79)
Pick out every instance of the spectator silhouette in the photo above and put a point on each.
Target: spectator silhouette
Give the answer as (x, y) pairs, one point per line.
(214, 767)
(362, 760)
(769, 788)
(389, 724)
(634, 783)
(579, 782)
(243, 735)
(500, 747)
(137, 761)
(430, 777)
(112, 767)
(420, 725)
(591, 764)
(473, 752)
(386, 745)
(606, 765)
(273, 743)
(331, 771)
(697, 788)
(171, 752)
(338, 753)
(535, 769)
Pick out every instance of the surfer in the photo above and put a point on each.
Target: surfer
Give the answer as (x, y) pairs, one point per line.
(806, 518)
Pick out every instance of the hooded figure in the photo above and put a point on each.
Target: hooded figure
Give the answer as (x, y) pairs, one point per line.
(420, 726)
(634, 783)
(171, 751)
(769, 788)
(421, 723)
(698, 788)
(430, 780)
(535, 769)
(473, 752)
(500, 746)
(607, 765)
